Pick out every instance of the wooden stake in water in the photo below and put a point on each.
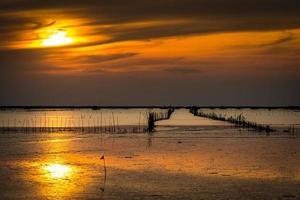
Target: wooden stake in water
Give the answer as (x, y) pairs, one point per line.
(101, 123)
(104, 166)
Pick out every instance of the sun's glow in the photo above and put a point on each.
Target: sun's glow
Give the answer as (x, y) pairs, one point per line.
(58, 170)
(57, 38)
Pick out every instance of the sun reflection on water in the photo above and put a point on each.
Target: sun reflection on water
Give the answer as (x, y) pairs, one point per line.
(58, 171)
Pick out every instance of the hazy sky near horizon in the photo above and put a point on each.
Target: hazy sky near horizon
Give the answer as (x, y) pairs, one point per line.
(145, 52)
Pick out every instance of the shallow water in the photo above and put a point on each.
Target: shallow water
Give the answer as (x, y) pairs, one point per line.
(74, 117)
(164, 165)
(181, 162)
(137, 117)
(273, 117)
(182, 117)
(103, 120)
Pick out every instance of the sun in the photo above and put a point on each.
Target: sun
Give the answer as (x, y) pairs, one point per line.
(57, 38)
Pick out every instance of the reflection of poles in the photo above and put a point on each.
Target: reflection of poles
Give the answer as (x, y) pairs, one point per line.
(104, 166)
(149, 140)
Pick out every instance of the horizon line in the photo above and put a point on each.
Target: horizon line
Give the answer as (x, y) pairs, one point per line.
(95, 107)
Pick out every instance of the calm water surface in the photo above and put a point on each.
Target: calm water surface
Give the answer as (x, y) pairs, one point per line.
(183, 162)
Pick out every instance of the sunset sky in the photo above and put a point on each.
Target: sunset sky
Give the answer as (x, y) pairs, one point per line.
(150, 52)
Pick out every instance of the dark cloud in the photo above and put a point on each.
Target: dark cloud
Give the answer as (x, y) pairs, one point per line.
(149, 8)
(282, 40)
(183, 70)
(276, 46)
(101, 58)
(203, 16)
(20, 61)
(148, 89)
(143, 80)
(32, 61)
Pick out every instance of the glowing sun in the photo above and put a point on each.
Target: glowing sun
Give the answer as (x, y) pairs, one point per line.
(57, 38)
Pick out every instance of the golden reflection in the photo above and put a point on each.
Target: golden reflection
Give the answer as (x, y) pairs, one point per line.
(67, 173)
(58, 171)
(57, 38)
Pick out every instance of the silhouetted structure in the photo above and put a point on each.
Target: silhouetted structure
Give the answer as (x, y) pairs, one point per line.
(239, 121)
(154, 117)
(98, 124)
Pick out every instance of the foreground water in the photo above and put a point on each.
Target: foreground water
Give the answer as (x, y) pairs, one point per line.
(178, 165)
(179, 161)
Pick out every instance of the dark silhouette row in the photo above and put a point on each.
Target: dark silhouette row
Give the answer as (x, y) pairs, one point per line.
(92, 129)
(154, 117)
(239, 121)
(91, 126)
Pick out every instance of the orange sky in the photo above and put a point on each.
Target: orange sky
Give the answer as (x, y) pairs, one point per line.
(167, 38)
(72, 47)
